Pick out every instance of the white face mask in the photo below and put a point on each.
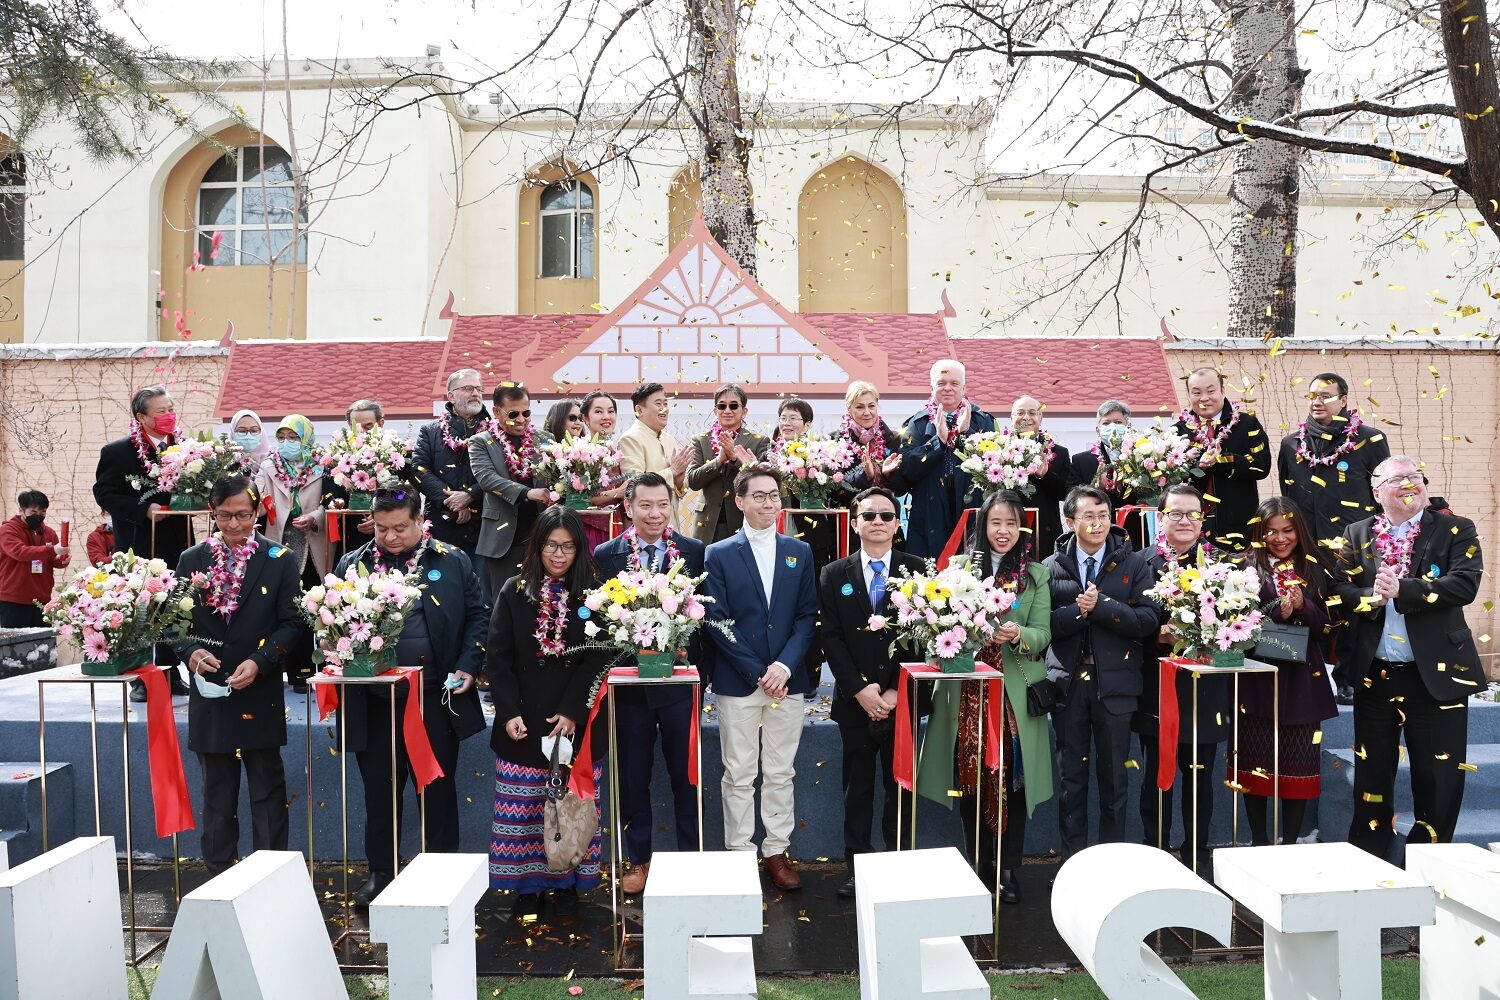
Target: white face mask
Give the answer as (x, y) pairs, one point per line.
(211, 690)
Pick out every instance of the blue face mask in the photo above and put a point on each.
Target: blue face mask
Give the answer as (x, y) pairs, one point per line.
(1113, 434)
(247, 440)
(289, 450)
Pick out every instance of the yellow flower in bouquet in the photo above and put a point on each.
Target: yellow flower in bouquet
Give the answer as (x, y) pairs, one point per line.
(935, 591)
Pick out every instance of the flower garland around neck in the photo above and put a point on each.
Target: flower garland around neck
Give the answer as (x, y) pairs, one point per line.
(1104, 475)
(144, 450)
(951, 418)
(871, 441)
(714, 431)
(633, 562)
(519, 462)
(457, 444)
(227, 574)
(1350, 437)
(1165, 550)
(380, 555)
(552, 619)
(293, 480)
(1206, 434)
(1396, 552)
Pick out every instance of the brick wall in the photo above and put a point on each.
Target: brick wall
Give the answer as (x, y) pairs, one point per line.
(1436, 403)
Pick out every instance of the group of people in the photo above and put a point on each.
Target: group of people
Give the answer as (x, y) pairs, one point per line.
(1352, 548)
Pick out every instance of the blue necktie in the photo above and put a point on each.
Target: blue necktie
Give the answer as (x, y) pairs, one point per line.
(877, 583)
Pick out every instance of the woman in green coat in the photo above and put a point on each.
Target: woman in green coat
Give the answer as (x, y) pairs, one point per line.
(1017, 649)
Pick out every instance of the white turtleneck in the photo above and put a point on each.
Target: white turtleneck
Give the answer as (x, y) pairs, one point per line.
(763, 547)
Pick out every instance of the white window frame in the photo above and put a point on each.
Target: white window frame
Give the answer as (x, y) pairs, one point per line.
(240, 185)
(574, 229)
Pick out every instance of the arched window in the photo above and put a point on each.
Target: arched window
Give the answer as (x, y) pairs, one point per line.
(567, 230)
(12, 244)
(851, 246)
(245, 209)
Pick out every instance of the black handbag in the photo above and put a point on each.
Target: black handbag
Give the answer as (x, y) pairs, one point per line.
(1042, 696)
(1283, 643)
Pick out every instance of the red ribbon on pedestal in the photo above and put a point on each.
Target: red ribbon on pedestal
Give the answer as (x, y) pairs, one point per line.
(425, 768)
(904, 736)
(335, 525)
(169, 791)
(1166, 738)
(269, 503)
(581, 781)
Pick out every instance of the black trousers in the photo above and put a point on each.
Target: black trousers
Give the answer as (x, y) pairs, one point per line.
(498, 569)
(14, 615)
(637, 724)
(1437, 739)
(1188, 754)
(1091, 733)
(221, 803)
(375, 771)
(862, 753)
(1012, 839)
(1343, 645)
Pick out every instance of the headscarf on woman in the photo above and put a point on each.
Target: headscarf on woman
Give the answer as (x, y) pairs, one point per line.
(262, 449)
(296, 471)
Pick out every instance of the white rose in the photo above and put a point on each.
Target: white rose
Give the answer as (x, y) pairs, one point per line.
(194, 467)
(316, 594)
(156, 567)
(159, 598)
(186, 604)
(364, 606)
(591, 629)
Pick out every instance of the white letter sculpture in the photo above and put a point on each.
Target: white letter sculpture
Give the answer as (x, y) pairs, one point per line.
(1324, 906)
(694, 894)
(1107, 898)
(426, 920)
(60, 925)
(252, 933)
(912, 908)
(1461, 951)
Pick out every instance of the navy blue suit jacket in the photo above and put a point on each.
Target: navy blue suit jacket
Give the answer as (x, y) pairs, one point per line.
(764, 635)
(611, 557)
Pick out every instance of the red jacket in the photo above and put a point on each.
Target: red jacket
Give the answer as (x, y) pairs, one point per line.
(100, 545)
(19, 546)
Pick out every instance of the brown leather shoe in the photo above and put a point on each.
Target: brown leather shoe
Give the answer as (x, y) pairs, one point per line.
(634, 882)
(782, 875)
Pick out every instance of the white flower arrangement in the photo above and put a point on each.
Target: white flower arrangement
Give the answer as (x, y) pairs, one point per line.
(1003, 460)
(123, 607)
(189, 469)
(364, 461)
(945, 615)
(813, 465)
(578, 466)
(359, 616)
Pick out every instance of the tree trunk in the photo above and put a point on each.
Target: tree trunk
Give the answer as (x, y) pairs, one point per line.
(1476, 95)
(727, 203)
(1263, 191)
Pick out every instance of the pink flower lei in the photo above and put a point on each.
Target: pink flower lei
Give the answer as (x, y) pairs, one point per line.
(1104, 475)
(379, 555)
(454, 443)
(714, 431)
(1396, 552)
(1284, 576)
(552, 619)
(1165, 550)
(281, 471)
(871, 442)
(1207, 434)
(519, 462)
(1344, 447)
(935, 413)
(633, 563)
(144, 450)
(227, 573)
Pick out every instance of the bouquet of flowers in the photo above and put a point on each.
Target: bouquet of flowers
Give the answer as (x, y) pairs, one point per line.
(814, 466)
(1003, 460)
(948, 616)
(363, 461)
(1149, 463)
(1214, 610)
(188, 470)
(120, 609)
(578, 468)
(357, 618)
(651, 615)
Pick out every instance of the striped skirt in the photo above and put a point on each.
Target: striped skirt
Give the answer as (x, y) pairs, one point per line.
(1301, 758)
(518, 859)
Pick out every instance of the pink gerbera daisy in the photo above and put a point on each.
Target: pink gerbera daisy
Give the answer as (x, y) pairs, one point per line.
(947, 645)
(95, 647)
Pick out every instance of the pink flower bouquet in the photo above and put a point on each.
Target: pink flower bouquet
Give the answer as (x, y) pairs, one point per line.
(1214, 609)
(945, 617)
(121, 608)
(357, 618)
(578, 468)
(365, 461)
(814, 466)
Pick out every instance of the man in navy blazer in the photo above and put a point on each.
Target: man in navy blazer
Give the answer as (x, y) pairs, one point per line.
(651, 545)
(765, 589)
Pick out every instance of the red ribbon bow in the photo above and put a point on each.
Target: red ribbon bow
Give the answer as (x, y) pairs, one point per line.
(169, 791)
(425, 768)
(581, 781)
(903, 748)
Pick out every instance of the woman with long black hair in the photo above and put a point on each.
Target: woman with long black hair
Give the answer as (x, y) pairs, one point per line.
(541, 689)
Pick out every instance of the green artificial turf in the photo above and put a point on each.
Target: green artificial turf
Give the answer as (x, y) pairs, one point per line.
(1218, 981)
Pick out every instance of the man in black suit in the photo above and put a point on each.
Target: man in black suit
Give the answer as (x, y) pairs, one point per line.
(650, 545)
(454, 500)
(1232, 452)
(1405, 576)
(133, 509)
(1113, 423)
(850, 590)
(236, 646)
(444, 634)
(1101, 623)
(1049, 488)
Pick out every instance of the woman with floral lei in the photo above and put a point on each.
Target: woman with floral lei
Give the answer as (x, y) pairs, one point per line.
(1294, 583)
(718, 455)
(244, 624)
(541, 689)
(1180, 542)
(290, 483)
(504, 458)
(879, 447)
(1233, 452)
(599, 416)
(929, 468)
(1004, 554)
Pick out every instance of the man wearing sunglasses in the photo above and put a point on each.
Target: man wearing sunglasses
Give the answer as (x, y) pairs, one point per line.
(1326, 466)
(504, 461)
(1405, 577)
(865, 672)
(718, 456)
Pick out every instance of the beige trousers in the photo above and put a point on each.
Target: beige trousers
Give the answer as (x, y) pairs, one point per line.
(758, 735)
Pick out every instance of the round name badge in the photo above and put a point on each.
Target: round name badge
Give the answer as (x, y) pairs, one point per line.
(434, 575)
(847, 589)
(584, 612)
(1343, 466)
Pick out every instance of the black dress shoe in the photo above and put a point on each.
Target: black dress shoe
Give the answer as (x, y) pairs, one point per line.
(137, 691)
(374, 886)
(175, 681)
(528, 904)
(1010, 887)
(846, 888)
(1345, 695)
(299, 685)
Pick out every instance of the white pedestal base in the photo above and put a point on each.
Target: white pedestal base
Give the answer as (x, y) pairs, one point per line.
(60, 925)
(425, 918)
(1461, 951)
(912, 906)
(688, 896)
